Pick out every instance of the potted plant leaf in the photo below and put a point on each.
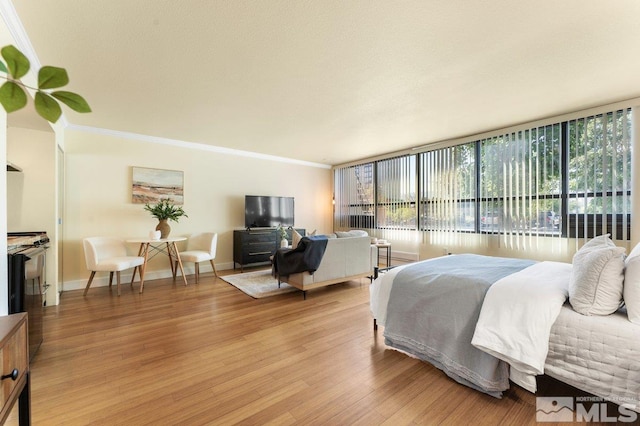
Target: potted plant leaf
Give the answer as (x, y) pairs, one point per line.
(164, 211)
(282, 236)
(13, 95)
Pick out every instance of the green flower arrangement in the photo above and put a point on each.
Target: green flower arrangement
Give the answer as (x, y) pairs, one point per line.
(282, 232)
(165, 209)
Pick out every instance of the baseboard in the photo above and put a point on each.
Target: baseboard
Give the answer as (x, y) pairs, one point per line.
(404, 256)
(102, 278)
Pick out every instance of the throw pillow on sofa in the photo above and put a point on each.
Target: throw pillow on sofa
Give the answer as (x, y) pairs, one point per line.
(295, 237)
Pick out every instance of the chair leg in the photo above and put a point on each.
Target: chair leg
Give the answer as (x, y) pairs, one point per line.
(213, 265)
(110, 278)
(133, 277)
(86, 289)
(118, 284)
(197, 272)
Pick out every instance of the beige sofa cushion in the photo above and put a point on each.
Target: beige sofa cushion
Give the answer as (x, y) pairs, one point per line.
(343, 257)
(352, 233)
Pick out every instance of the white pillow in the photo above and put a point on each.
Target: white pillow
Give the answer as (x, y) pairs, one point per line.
(598, 242)
(597, 277)
(631, 291)
(351, 234)
(296, 237)
(635, 252)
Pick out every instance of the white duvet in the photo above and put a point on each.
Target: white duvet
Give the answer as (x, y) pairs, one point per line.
(517, 315)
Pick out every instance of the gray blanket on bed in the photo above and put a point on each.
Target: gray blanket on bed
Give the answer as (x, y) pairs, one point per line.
(432, 313)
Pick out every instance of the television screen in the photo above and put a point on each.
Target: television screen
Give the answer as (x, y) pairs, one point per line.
(267, 212)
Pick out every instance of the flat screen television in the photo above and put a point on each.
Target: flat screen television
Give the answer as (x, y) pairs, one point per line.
(267, 212)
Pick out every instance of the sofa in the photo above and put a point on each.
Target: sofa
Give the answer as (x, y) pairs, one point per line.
(348, 256)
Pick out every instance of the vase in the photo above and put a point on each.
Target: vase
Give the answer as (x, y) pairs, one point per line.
(284, 243)
(164, 228)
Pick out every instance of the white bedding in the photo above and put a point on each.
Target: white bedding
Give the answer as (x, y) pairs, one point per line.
(598, 354)
(505, 328)
(379, 294)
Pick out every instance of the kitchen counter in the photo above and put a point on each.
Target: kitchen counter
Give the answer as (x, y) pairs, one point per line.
(28, 239)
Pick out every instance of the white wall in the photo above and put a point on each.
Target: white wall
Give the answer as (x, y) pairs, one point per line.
(31, 201)
(98, 195)
(4, 288)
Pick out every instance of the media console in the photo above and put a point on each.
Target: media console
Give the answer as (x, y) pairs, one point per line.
(255, 246)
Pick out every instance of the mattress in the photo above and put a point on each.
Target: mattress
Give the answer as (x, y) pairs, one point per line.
(598, 354)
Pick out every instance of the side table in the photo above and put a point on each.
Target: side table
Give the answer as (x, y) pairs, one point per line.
(387, 247)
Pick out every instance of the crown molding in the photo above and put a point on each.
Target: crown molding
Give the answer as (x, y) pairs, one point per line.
(17, 31)
(190, 145)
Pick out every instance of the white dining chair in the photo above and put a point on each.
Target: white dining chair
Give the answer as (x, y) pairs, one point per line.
(200, 248)
(34, 270)
(109, 254)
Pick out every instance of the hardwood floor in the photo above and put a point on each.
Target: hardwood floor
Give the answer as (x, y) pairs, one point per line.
(209, 354)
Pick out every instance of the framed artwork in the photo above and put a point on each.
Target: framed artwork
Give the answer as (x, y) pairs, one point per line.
(152, 185)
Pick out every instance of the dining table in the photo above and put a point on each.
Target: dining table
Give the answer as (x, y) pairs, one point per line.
(150, 248)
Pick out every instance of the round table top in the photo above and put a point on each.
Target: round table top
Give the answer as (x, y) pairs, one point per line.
(151, 240)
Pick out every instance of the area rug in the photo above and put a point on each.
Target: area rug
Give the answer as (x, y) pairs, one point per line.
(258, 284)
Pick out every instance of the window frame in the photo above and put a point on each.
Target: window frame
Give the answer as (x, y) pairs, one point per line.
(562, 196)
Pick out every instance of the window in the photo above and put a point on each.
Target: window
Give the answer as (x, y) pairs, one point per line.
(520, 182)
(354, 196)
(448, 189)
(396, 190)
(571, 179)
(599, 175)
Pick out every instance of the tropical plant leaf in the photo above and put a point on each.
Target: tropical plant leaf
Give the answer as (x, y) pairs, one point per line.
(72, 100)
(52, 77)
(47, 107)
(12, 96)
(16, 61)
(3, 68)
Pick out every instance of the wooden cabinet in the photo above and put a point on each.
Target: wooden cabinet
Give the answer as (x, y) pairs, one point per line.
(254, 247)
(14, 358)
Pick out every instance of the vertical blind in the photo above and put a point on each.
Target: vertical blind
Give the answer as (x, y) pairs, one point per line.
(520, 184)
(448, 189)
(569, 179)
(599, 175)
(354, 196)
(396, 193)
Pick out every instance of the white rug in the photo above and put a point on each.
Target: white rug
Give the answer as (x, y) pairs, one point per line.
(258, 284)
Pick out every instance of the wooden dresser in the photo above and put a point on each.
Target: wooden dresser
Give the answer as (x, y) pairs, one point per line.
(14, 357)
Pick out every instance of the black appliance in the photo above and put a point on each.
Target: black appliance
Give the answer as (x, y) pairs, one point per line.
(27, 280)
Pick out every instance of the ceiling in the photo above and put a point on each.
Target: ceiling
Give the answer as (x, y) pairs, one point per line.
(331, 81)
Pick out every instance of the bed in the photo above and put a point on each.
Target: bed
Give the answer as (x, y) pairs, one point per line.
(485, 329)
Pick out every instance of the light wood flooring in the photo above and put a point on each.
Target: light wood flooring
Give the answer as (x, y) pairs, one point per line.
(209, 354)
